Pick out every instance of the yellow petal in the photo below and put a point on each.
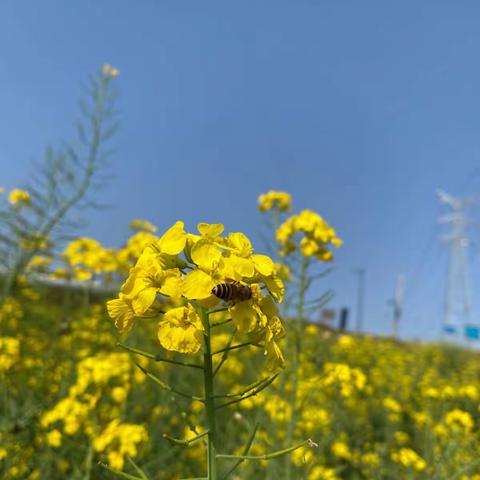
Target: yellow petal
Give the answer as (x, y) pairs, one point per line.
(263, 264)
(240, 243)
(268, 306)
(275, 358)
(172, 284)
(173, 240)
(205, 254)
(181, 330)
(210, 230)
(275, 287)
(121, 312)
(197, 285)
(143, 300)
(244, 316)
(238, 267)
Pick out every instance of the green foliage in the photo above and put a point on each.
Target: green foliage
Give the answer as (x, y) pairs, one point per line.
(60, 187)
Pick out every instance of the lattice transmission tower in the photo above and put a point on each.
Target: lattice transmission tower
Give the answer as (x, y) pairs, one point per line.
(457, 310)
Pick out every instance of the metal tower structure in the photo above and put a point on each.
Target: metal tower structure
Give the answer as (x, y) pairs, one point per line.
(360, 272)
(397, 304)
(457, 302)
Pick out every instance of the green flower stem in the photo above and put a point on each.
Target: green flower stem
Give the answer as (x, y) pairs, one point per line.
(234, 347)
(210, 412)
(253, 393)
(142, 474)
(218, 324)
(247, 389)
(269, 456)
(217, 310)
(119, 473)
(158, 358)
(184, 443)
(245, 452)
(165, 386)
(297, 335)
(225, 354)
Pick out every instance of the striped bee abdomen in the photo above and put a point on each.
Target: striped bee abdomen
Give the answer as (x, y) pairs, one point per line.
(232, 292)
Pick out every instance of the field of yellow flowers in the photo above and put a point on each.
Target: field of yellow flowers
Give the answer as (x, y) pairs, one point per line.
(157, 376)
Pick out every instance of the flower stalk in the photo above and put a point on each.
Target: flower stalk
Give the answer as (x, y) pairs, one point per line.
(210, 411)
(297, 350)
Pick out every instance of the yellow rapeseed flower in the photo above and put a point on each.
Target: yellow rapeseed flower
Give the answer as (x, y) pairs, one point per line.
(280, 201)
(142, 226)
(408, 458)
(18, 197)
(459, 420)
(184, 268)
(110, 71)
(181, 330)
(340, 450)
(316, 235)
(54, 438)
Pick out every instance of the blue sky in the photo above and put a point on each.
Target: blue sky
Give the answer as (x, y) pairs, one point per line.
(359, 109)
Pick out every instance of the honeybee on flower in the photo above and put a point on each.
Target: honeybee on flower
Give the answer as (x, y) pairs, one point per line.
(198, 271)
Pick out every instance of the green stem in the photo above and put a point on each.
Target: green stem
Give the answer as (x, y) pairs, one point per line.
(158, 358)
(234, 347)
(184, 443)
(268, 456)
(245, 452)
(209, 400)
(225, 353)
(223, 322)
(252, 393)
(297, 335)
(167, 387)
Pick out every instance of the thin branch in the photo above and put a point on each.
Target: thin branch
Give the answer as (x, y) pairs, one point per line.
(234, 347)
(253, 393)
(158, 358)
(245, 453)
(218, 324)
(118, 472)
(217, 310)
(269, 456)
(169, 388)
(184, 443)
(248, 389)
(142, 474)
(225, 354)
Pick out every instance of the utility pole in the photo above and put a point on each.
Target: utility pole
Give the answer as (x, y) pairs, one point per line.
(457, 302)
(397, 304)
(360, 272)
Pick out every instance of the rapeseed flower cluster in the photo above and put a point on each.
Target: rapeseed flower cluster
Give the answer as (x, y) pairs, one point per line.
(110, 71)
(85, 258)
(98, 396)
(316, 236)
(183, 268)
(9, 352)
(408, 458)
(119, 440)
(19, 198)
(273, 200)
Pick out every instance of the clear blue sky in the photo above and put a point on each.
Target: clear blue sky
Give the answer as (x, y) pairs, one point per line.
(359, 109)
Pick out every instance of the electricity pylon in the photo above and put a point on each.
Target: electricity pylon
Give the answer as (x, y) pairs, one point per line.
(397, 304)
(458, 302)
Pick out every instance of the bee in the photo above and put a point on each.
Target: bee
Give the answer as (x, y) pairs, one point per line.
(232, 292)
